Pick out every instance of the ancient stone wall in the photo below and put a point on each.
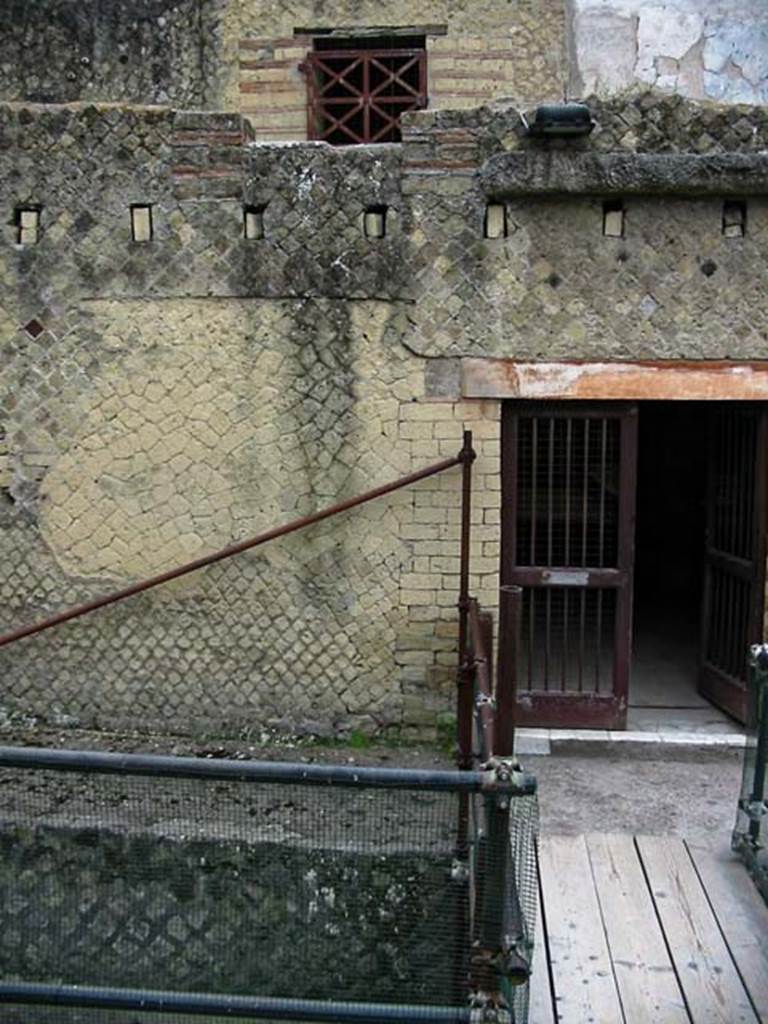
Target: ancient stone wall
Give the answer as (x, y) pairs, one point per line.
(160, 398)
(134, 51)
(230, 888)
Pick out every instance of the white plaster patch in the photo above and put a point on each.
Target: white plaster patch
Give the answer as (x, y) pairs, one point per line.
(661, 33)
(602, 32)
(621, 41)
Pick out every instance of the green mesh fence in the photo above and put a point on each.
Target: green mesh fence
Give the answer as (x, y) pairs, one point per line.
(334, 889)
(751, 832)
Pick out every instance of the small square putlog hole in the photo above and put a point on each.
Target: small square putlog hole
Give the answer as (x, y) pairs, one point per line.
(253, 223)
(613, 218)
(141, 222)
(27, 221)
(734, 218)
(375, 222)
(495, 223)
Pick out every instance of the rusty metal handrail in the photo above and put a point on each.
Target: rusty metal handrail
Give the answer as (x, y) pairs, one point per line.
(464, 457)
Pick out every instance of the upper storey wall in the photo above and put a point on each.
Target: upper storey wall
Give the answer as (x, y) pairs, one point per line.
(247, 55)
(477, 51)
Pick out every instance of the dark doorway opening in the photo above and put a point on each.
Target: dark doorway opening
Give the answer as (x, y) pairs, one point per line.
(669, 554)
(670, 547)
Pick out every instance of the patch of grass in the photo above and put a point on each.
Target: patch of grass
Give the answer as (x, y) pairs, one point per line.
(358, 740)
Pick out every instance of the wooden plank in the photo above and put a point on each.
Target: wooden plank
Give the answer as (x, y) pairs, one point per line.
(540, 1009)
(707, 975)
(584, 986)
(742, 916)
(645, 977)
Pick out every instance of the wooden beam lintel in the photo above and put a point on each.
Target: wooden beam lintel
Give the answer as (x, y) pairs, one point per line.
(643, 379)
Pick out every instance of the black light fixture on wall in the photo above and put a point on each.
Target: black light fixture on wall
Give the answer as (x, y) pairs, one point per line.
(561, 120)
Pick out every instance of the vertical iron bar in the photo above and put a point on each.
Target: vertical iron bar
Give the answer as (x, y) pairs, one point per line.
(568, 446)
(585, 495)
(708, 597)
(550, 517)
(584, 534)
(510, 604)
(531, 635)
(464, 724)
(582, 628)
(366, 98)
(744, 481)
(464, 698)
(550, 489)
(601, 550)
(534, 486)
(598, 638)
(566, 548)
(564, 644)
(622, 646)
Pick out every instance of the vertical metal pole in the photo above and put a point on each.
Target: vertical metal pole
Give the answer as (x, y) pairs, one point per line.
(464, 681)
(759, 681)
(510, 611)
(464, 723)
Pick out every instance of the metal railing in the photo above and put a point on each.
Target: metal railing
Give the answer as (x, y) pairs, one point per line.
(245, 648)
(340, 885)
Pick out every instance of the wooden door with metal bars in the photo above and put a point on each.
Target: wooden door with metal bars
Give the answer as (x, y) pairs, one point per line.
(734, 566)
(568, 504)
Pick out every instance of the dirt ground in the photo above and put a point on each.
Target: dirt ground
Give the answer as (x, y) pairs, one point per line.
(692, 797)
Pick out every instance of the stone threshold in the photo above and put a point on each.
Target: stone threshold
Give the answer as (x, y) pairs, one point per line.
(605, 742)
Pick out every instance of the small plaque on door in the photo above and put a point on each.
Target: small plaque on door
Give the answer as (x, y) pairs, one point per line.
(565, 578)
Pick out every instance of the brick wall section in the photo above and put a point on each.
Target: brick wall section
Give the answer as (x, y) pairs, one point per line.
(526, 63)
(426, 649)
(273, 90)
(207, 155)
(468, 71)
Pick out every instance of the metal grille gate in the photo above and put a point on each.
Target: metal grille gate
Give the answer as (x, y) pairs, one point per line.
(734, 579)
(567, 540)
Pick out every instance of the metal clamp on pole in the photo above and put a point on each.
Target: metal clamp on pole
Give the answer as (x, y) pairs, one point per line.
(489, 1008)
(506, 775)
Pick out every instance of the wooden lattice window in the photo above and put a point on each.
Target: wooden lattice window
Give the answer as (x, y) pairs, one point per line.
(359, 88)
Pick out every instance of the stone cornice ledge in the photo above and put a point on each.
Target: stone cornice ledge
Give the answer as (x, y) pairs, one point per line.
(530, 173)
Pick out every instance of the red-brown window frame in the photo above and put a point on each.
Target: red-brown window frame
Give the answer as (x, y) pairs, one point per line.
(363, 99)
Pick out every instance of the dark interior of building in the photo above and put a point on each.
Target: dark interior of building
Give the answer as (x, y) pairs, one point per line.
(669, 554)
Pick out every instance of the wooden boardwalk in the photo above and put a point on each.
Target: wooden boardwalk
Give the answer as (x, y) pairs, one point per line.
(647, 930)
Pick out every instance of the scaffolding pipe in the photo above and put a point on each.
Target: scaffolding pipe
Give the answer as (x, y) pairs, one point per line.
(196, 1003)
(160, 765)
